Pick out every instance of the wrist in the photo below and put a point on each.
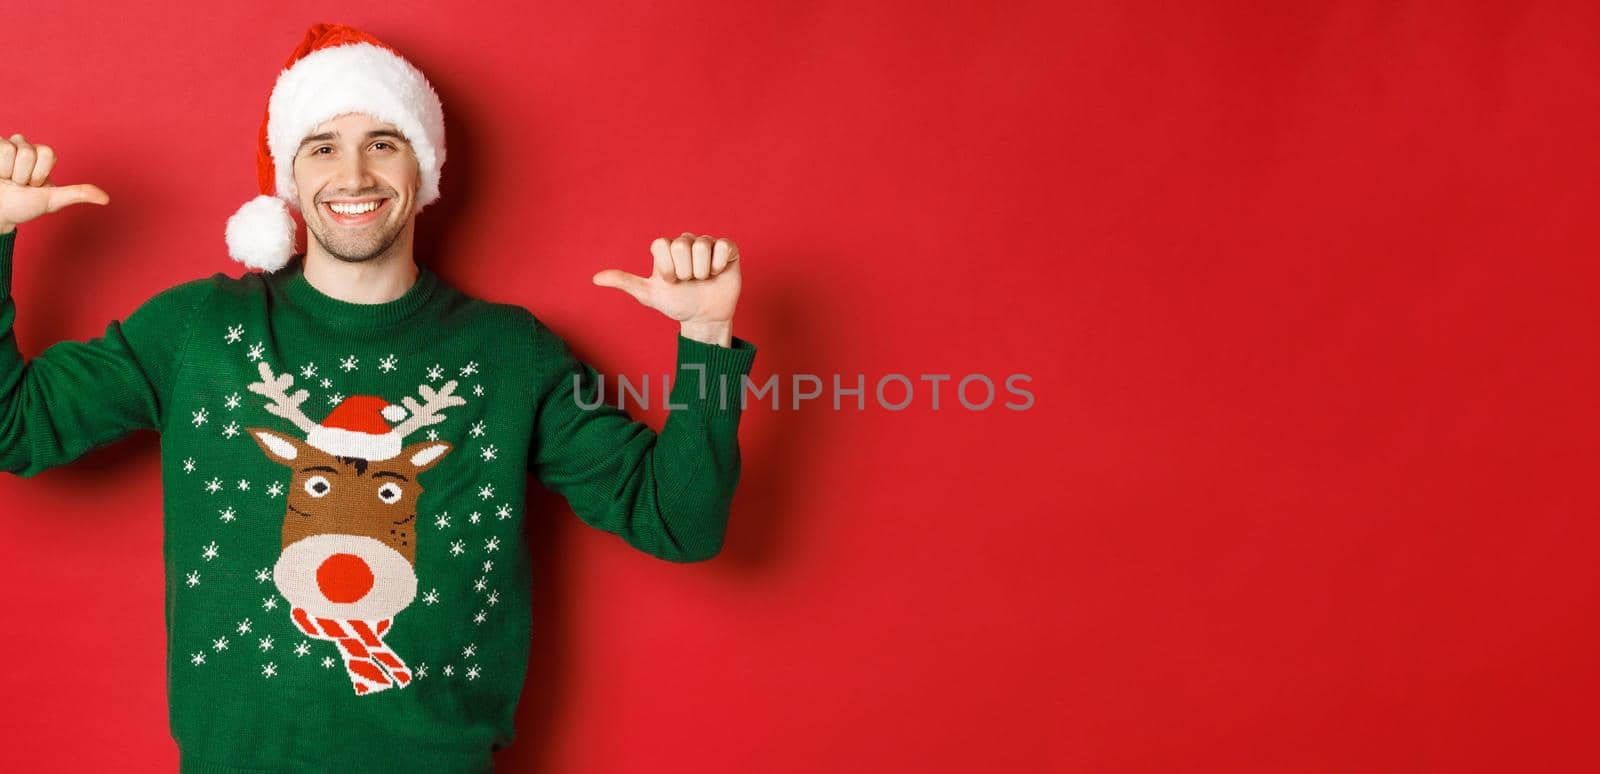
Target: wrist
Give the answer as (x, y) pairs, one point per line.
(718, 332)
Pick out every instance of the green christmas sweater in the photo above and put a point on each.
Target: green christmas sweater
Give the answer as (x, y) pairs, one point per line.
(343, 488)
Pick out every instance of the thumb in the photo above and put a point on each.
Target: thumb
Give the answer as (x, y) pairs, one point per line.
(68, 195)
(632, 284)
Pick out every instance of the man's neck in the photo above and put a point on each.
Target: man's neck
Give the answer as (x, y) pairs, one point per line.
(377, 281)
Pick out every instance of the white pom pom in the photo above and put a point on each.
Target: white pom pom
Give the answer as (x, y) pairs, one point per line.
(394, 413)
(261, 234)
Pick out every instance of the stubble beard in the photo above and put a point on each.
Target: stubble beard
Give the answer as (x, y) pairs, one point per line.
(355, 248)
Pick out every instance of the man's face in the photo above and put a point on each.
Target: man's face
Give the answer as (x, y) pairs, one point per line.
(366, 168)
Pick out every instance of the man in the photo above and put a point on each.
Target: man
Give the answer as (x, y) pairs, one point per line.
(345, 439)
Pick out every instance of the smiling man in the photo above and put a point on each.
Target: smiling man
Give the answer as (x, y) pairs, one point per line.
(346, 438)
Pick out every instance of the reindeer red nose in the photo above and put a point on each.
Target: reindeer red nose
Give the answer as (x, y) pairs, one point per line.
(344, 578)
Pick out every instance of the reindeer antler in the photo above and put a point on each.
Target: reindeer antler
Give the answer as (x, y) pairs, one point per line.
(281, 403)
(428, 413)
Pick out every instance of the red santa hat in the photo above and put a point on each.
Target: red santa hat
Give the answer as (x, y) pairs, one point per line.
(359, 427)
(335, 70)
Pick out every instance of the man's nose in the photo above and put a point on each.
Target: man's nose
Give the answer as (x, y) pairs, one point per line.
(354, 173)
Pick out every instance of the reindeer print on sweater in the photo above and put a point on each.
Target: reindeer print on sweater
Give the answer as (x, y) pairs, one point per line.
(336, 453)
(349, 531)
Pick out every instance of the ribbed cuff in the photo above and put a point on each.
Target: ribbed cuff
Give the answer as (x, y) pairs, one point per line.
(710, 377)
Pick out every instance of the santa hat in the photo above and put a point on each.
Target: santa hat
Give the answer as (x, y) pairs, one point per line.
(335, 70)
(359, 427)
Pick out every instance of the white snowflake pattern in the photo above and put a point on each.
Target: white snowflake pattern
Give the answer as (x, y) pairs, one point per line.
(475, 517)
(504, 512)
(226, 514)
(486, 491)
(470, 368)
(435, 373)
(493, 598)
(477, 430)
(477, 390)
(335, 398)
(193, 579)
(210, 552)
(214, 485)
(387, 364)
(256, 350)
(243, 627)
(198, 658)
(302, 649)
(264, 574)
(492, 545)
(449, 670)
(244, 485)
(443, 520)
(480, 584)
(269, 603)
(308, 370)
(472, 674)
(266, 643)
(235, 332)
(457, 548)
(232, 401)
(230, 430)
(327, 662)
(470, 650)
(220, 644)
(478, 619)
(326, 383)
(269, 669)
(422, 671)
(274, 489)
(350, 363)
(488, 452)
(488, 564)
(433, 435)
(188, 465)
(432, 597)
(199, 417)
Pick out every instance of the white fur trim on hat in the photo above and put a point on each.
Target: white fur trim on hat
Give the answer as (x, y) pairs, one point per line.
(261, 234)
(355, 78)
(350, 443)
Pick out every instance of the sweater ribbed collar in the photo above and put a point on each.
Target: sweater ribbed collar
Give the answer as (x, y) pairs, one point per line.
(347, 314)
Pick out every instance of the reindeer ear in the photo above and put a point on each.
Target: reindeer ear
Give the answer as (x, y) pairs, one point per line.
(280, 447)
(426, 454)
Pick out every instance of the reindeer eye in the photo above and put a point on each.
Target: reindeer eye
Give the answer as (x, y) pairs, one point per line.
(318, 486)
(389, 493)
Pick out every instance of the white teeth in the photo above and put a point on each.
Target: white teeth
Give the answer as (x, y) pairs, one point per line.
(353, 209)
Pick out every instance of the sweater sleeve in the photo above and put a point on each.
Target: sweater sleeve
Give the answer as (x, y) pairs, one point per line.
(666, 494)
(78, 395)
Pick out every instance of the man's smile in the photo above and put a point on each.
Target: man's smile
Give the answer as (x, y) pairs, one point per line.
(354, 212)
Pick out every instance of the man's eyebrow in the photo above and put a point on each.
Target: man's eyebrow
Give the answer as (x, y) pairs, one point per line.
(390, 133)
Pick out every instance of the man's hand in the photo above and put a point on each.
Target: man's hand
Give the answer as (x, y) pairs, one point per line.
(695, 281)
(25, 188)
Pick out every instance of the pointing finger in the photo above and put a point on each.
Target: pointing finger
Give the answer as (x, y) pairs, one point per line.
(632, 284)
(661, 249)
(68, 195)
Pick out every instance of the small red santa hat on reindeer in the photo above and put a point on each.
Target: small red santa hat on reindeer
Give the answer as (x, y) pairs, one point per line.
(357, 428)
(335, 70)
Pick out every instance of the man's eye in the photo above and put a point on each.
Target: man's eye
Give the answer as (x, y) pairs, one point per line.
(383, 144)
(321, 149)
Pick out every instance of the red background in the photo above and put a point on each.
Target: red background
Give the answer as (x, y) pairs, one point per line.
(1307, 296)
